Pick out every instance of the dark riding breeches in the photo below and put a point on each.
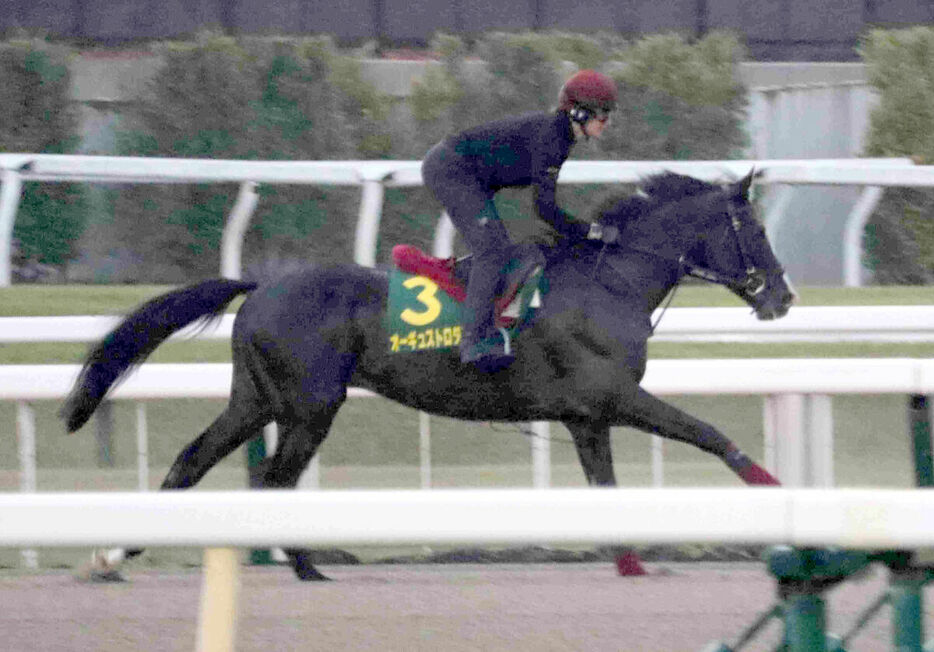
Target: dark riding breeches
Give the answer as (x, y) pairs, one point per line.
(473, 213)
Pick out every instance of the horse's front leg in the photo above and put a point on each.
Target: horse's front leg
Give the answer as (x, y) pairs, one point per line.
(653, 415)
(592, 441)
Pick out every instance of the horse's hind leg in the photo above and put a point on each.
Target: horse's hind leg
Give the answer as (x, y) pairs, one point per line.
(297, 444)
(592, 441)
(239, 422)
(229, 431)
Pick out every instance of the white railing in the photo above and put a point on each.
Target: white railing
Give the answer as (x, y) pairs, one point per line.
(374, 176)
(910, 323)
(804, 416)
(797, 407)
(797, 391)
(797, 403)
(901, 518)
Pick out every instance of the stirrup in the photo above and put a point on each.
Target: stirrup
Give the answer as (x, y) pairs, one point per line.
(489, 355)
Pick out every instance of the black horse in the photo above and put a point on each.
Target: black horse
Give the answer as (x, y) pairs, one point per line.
(299, 342)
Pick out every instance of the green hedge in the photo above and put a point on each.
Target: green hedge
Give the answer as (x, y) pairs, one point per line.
(900, 236)
(218, 96)
(37, 115)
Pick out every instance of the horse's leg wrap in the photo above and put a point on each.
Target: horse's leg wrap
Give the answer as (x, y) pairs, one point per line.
(654, 415)
(628, 564)
(750, 472)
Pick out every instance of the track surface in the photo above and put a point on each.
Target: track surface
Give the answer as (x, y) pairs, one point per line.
(449, 608)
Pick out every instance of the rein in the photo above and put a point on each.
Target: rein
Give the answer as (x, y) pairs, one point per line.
(671, 296)
(751, 283)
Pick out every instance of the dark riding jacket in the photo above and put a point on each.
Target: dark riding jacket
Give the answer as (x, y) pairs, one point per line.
(519, 151)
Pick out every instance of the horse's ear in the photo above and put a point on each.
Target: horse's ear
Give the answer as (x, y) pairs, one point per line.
(743, 185)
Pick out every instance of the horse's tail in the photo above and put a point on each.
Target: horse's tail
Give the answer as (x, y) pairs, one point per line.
(138, 335)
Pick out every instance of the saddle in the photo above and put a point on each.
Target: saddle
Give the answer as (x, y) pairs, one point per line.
(451, 275)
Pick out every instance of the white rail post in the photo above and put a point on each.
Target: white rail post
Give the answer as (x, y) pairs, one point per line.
(799, 439)
(142, 447)
(424, 449)
(234, 230)
(784, 421)
(541, 455)
(443, 246)
(658, 461)
(820, 440)
(10, 192)
(371, 207)
(853, 235)
(26, 436)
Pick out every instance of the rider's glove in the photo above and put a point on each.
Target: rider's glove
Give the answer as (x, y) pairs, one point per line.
(607, 233)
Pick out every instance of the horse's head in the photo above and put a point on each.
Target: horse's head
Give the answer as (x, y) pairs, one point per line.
(736, 252)
(706, 230)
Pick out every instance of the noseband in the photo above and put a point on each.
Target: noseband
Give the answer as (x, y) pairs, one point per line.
(751, 283)
(754, 279)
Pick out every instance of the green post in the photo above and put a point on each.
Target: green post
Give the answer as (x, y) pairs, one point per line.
(805, 623)
(920, 419)
(255, 454)
(905, 589)
(906, 586)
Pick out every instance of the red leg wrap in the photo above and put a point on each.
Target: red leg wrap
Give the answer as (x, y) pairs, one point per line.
(756, 475)
(629, 565)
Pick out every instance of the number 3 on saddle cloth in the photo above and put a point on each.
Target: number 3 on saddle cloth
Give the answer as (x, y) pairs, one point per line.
(425, 307)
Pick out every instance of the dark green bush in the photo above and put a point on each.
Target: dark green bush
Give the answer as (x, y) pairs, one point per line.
(217, 96)
(37, 116)
(899, 237)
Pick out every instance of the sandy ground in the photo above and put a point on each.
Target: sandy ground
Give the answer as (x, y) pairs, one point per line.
(453, 608)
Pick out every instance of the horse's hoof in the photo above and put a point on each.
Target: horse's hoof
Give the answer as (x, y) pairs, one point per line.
(97, 574)
(311, 574)
(111, 576)
(100, 570)
(629, 565)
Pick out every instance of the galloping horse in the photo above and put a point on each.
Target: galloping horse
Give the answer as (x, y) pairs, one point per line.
(300, 341)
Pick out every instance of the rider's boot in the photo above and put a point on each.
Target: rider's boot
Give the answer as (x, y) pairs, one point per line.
(483, 346)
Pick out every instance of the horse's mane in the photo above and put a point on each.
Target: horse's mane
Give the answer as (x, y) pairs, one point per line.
(658, 189)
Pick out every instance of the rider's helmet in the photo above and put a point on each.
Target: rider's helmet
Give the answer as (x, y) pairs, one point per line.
(587, 94)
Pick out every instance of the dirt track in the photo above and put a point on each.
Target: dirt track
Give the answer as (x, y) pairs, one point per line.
(448, 608)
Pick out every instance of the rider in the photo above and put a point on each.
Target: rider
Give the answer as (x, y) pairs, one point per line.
(464, 172)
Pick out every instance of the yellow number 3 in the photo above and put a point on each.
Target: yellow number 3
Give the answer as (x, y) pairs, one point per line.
(426, 297)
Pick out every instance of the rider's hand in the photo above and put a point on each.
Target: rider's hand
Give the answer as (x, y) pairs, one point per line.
(606, 233)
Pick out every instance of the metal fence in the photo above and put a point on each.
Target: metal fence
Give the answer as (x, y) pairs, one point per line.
(791, 30)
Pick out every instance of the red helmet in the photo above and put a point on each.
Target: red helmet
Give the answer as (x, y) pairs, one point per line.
(590, 90)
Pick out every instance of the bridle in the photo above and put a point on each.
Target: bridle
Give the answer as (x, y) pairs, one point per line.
(749, 284)
(752, 282)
